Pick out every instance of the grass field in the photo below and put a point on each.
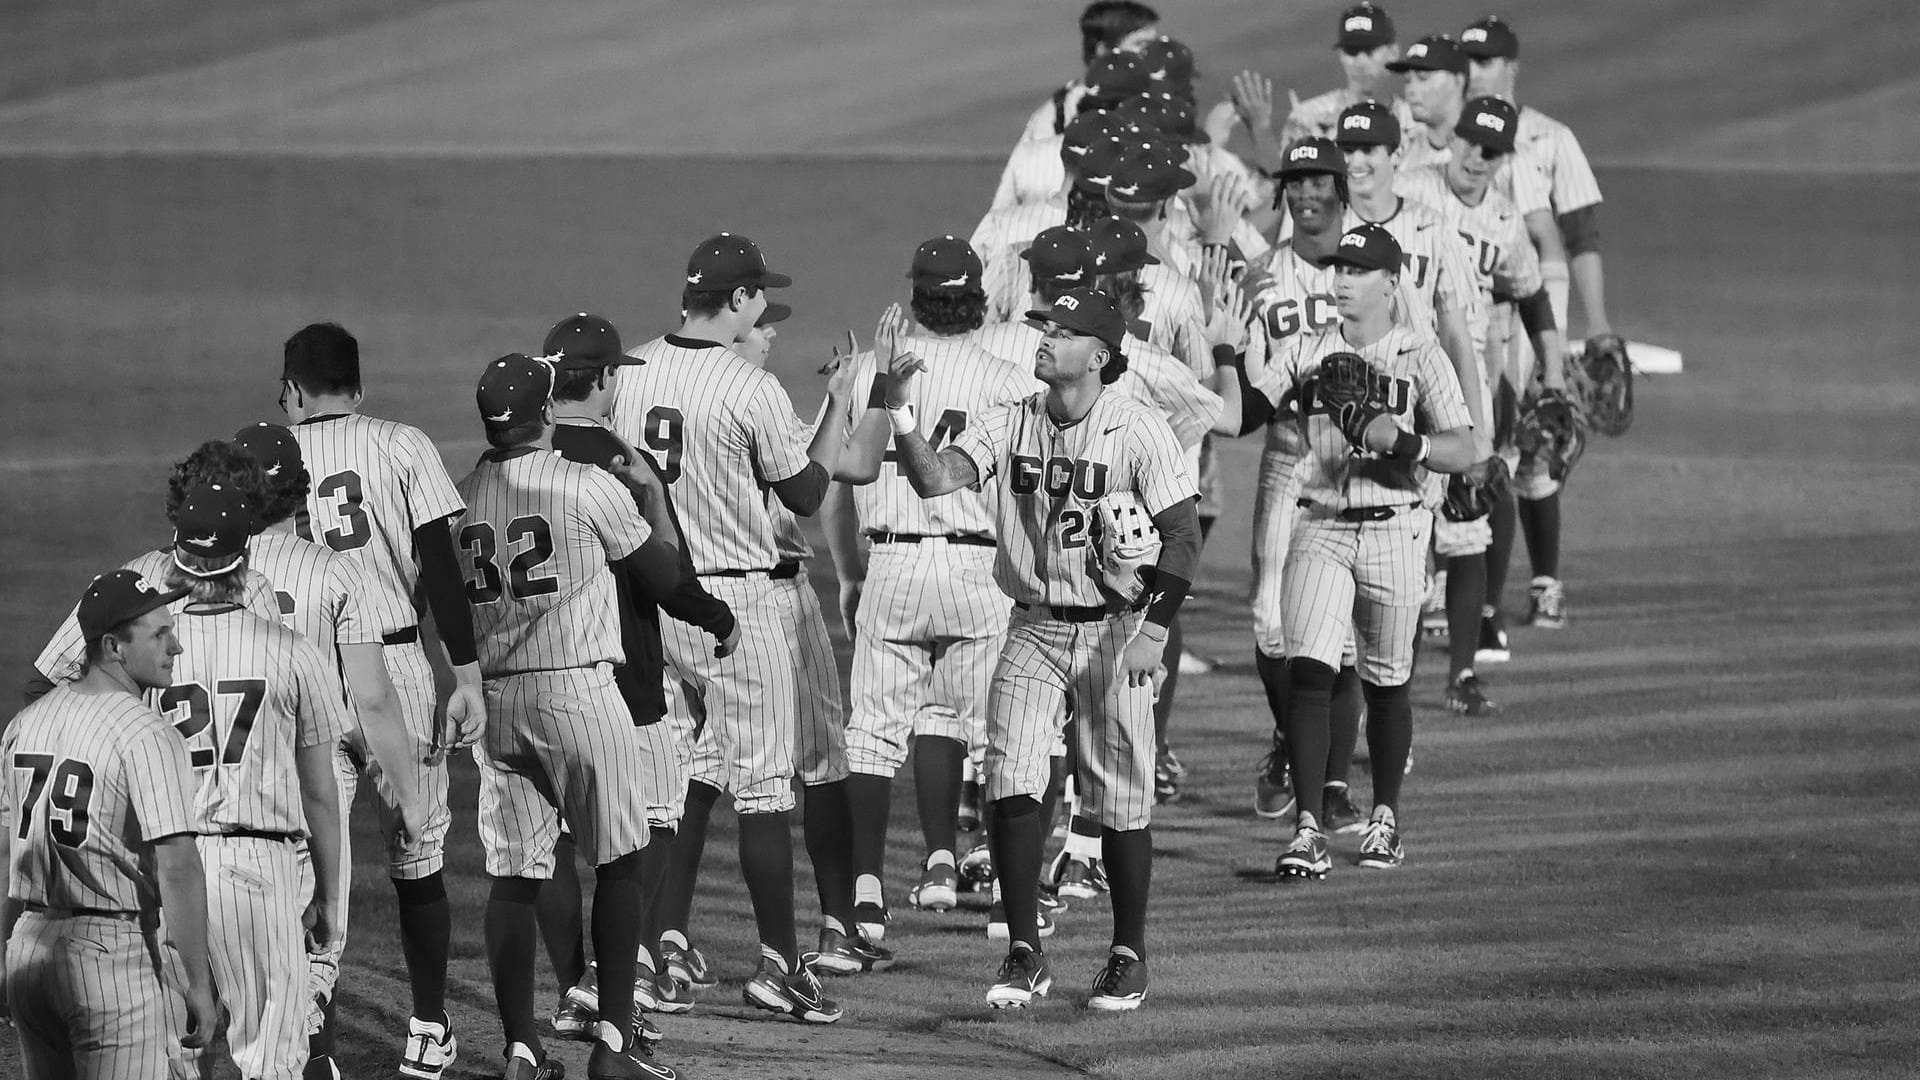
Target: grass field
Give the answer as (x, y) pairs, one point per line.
(1683, 847)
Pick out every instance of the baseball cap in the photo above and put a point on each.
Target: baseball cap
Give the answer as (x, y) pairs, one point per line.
(946, 264)
(725, 262)
(1060, 255)
(1311, 155)
(1489, 38)
(272, 445)
(1168, 62)
(214, 521)
(117, 597)
(1086, 311)
(1490, 122)
(774, 313)
(1118, 246)
(1116, 76)
(513, 389)
(1364, 26)
(584, 341)
(1148, 174)
(1435, 52)
(1168, 114)
(1366, 247)
(1089, 129)
(1094, 170)
(1367, 123)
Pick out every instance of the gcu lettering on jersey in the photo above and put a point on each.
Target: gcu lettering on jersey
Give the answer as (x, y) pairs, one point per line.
(1057, 476)
(1289, 315)
(1390, 393)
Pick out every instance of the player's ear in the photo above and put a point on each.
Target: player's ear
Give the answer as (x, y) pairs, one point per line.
(738, 300)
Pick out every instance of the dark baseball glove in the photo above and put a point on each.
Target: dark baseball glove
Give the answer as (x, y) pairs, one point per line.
(1551, 425)
(1601, 378)
(1473, 494)
(1345, 384)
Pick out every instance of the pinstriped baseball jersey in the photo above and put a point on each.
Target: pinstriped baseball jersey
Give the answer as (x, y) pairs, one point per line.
(1318, 115)
(246, 694)
(1155, 377)
(1049, 476)
(1419, 389)
(721, 430)
(788, 538)
(92, 779)
(1435, 263)
(1034, 172)
(1016, 341)
(535, 544)
(1500, 253)
(1553, 151)
(60, 659)
(1173, 310)
(963, 381)
(374, 482)
(318, 590)
(1518, 178)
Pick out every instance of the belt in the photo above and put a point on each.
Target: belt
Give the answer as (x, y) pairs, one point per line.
(254, 834)
(1359, 513)
(782, 572)
(406, 635)
(48, 912)
(966, 539)
(1071, 614)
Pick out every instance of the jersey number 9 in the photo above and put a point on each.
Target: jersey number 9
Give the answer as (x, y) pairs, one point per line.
(664, 432)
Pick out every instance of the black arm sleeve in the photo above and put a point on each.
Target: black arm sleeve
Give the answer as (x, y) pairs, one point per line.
(804, 491)
(446, 590)
(1255, 410)
(1179, 559)
(1581, 230)
(653, 569)
(37, 686)
(1536, 312)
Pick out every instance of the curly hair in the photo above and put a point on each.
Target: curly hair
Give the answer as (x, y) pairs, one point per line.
(947, 313)
(217, 461)
(228, 587)
(1085, 210)
(1129, 295)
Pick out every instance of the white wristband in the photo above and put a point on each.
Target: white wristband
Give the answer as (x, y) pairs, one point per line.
(902, 419)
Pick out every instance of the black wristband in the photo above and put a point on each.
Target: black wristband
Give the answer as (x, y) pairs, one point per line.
(1224, 356)
(1168, 592)
(876, 397)
(1406, 446)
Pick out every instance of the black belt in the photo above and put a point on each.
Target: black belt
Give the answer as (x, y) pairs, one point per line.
(406, 635)
(1359, 513)
(782, 572)
(46, 911)
(914, 538)
(1071, 614)
(254, 834)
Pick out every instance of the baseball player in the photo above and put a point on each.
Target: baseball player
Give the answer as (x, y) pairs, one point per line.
(1074, 642)
(97, 833)
(382, 497)
(724, 433)
(1367, 44)
(537, 540)
(1090, 148)
(1356, 558)
(213, 462)
(586, 352)
(927, 621)
(1493, 52)
(263, 716)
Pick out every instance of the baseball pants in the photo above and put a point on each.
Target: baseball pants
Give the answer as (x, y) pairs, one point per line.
(820, 742)
(89, 1001)
(256, 942)
(425, 854)
(561, 743)
(928, 633)
(1368, 578)
(1275, 509)
(1049, 668)
(744, 704)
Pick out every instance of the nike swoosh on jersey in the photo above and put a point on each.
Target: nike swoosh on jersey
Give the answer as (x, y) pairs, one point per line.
(1112, 429)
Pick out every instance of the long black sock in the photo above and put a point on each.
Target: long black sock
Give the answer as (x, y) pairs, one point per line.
(1163, 705)
(683, 866)
(1504, 520)
(1343, 726)
(320, 1044)
(1129, 859)
(869, 804)
(1466, 593)
(1057, 769)
(511, 927)
(559, 911)
(1015, 833)
(828, 829)
(426, 937)
(1389, 740)
(1540, 522)
(656, 864)
(1275, 681)
(766, 862)
(937, 767)
(1308, 730)
(616, 936)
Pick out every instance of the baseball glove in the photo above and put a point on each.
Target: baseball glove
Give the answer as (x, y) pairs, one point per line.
(1472, 495)
(1125, 545)
(1345, 385)
(1551, 425)
(1601, 378)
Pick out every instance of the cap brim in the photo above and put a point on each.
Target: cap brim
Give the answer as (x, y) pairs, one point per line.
(1339, 258)
(160, 600)
(1487, 52)
(774, 313)
(771, 280)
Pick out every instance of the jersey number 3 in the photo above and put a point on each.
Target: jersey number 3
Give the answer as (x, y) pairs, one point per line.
(68, 787)
(342, 493)
(532, 531)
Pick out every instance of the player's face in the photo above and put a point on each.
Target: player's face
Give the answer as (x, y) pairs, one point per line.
(1369, 169)
(148, 657)
(1434, 96)
(1361, 293)
(757, 346)
(1314, 202)
(1471, 164)
(1065, 356)
(1492, 77)
(1366, 69)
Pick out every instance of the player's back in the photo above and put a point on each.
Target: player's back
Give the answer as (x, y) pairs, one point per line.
(722, 430)
(535, 543)
(1156, 377)
(1015, 341)
(374, 482)
(317, 590)
(90, 778)
(1552, 149)
(1172, 308)
(247, 694)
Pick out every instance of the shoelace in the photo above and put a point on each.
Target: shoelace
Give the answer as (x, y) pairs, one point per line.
(1379, 838)
(1114, 975)
(1305, 840)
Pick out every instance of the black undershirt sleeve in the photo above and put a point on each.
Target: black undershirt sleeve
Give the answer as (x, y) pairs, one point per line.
(804, 491)
(446, 589)
(1173, 571)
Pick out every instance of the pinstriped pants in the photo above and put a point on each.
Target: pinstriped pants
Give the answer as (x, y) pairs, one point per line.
(257, 944)
(88, 999)
(743, 704)
(820, 740)
(1365, 579)
(413, 684)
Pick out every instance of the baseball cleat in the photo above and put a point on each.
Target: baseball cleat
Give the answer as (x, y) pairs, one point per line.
(1466, 696)
(841, 954)
(1380, 846)
(997, 923)
(1081, 880)
(688, 964)
(938, 890)
(1493, 647)
(1341, 816)
(320, 1068)
(1273, 787)
(1050, 902)
(969, 809)
(873, 920)
(523, 1065)
(976, 866)
(633, 1061)
(574, 1021)
(671, 996)
(1121, 985)
(1547, 604)
(1306, 857)
(797, 995)
(1024, 975)
(430, 1049)
(586, 992)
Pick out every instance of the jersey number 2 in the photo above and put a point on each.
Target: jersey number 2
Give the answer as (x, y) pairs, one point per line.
(537, 536)
(193, 699)
(343, 494)
(68, 786)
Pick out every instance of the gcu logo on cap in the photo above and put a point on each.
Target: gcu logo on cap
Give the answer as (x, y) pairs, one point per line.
(141, 584)
(1071, 303)
(1353, 240)
(1474, 34)
(1417, 51)
(1358, 121)
(1358, 22)
(1304, 153)
(1490, 121)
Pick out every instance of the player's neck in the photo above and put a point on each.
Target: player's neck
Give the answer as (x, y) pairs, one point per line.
(594, 411)
(106, 679)
(284, 525)
(1366, 330)
(716, 328)
(1069, 403)
(1378, 205)
(1440, 132)
(332, 405)
(1465, 188)
(1312, 246)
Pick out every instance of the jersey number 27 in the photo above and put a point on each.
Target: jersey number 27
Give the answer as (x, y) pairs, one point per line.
(190, 708)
